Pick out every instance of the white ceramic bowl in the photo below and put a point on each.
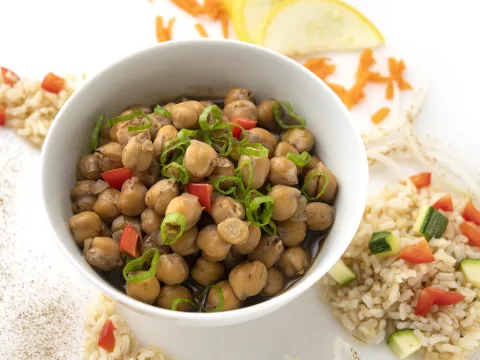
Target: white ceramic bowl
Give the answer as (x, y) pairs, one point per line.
(201, 67)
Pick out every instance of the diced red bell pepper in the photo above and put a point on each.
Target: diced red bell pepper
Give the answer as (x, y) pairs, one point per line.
(472, 232)
(115, 178)
(8, 76)
(53, 83)
(471, 213)
(3, 116)
(129, 241)
(422, 179)
(245, 123)
(419, 253)
(107, 338)
(204, 192)
(425, 302)
(443, 297)
(445, 203)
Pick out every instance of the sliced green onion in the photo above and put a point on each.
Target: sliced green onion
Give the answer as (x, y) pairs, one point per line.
(223, 144)
(186, 134)
(268, 187)
(270, 228)
(244, 135)
(172, 228)
(138, 263)
(131, 116)
(300, 159)
(255, 214)
(238, 172)
(256, 149)
(172, 147)
(96, 132)
(218, 181)
(221, 298)
(184, 176)
(160, 110)
(279, 114)
(137, 267)
(211, 118)
(177, 301)
(307, 180)
(146, 126)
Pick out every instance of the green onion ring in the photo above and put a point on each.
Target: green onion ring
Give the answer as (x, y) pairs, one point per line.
(186, 134)
(238, 172)
(243, 138)
(216, 113)
(173, 218)
(300, 159)
(177, 301)
(184, 177)
(216, 184)
(278, 113)
(146, 126)
(307, 180)
(226, 140)
(255, 149)
(268, 187)
(253, 207)
(133, 264)
(160, 110)
(173, 146)
(221, 298)
(96, 132)
(270, 228)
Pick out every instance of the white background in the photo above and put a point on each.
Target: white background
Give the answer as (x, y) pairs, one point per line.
(437, 39)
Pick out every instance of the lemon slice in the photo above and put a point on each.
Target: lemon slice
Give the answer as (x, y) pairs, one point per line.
(301, 27)
(249, 16)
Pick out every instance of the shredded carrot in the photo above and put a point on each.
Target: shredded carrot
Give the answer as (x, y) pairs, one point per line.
(171, 22)
(355, 94)
(338, 89)
(214, 9)
(320, 67)
(162, 34)
(189, 6)
(224, 19)
(396, 69)
(376, 77)
(201, 30)
(390, 91)
(380, 115)
(365, 63)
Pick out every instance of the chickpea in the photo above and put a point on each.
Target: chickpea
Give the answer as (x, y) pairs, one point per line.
(223, 167)
(103, 253)
(200, 159)
(109, 156)
(264, 137)
(166, 133)
(235, 94)
(212, 246)
(171, 269)
(292, 233)
(254, 235)
(275, 282)
(158, 121)
(301, 213)
(233, 231)
(302, 139)
(224, 207)
(206, 103)
(159, 195)
(138, 153)
(189, 206)
(285, 202)
(185, 115)
(260, 169)
(233, 259)
(120, 222)
(150, 176)
(114, 129)
(145, 291)
(168, 293)
(316, 183)
(282, 171)
(283, 148)
(106, 205)
(82, 196)
(207, 272)
(242, 108)
(319, 216)
(294, 261)
(151, 221)
(230, 300)
(88, 167)
(248, 279)
(315, 160)
(169, 106)
(85, 225)
(265, 114)
(187, 243)
(132, 197)
(124, 135)
(154, 241)
(268, 251)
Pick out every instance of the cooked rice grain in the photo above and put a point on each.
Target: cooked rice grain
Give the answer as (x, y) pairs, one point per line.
(384, 296)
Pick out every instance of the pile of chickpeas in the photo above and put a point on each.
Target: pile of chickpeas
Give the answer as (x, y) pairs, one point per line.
(219, 249)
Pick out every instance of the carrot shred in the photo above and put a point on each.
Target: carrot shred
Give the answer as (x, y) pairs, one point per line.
(390, 91)
(201, 30)
(160, 30)
(189, 6)
(365, 62)
(320, 67)
(338, 89)
(224, 19)
(376, 77)
(214, 9)
(396, 69)
(380, 115)
(169, 30)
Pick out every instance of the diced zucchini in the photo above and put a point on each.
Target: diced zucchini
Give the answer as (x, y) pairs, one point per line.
(341, 273)
(384, 243)
(431, 223)
(404, 343)
(471, 270)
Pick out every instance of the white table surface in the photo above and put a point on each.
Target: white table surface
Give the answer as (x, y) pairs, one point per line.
(437, 39)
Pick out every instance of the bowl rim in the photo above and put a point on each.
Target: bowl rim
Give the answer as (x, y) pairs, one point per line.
(249, 312)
